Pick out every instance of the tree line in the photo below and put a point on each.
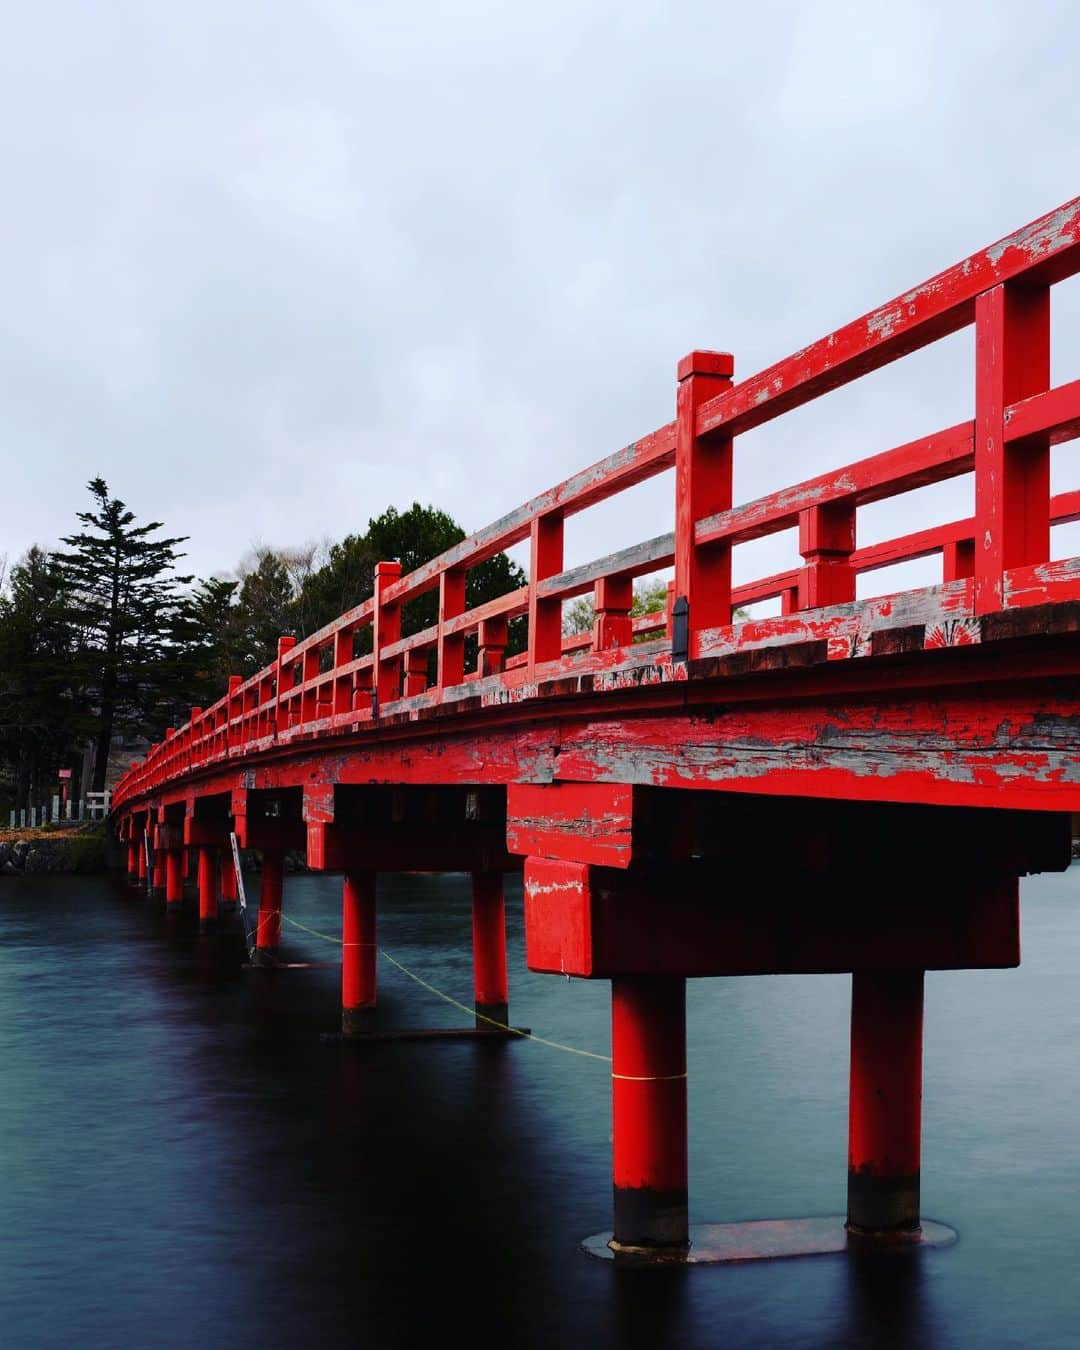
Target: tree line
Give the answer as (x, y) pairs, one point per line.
(104, 635)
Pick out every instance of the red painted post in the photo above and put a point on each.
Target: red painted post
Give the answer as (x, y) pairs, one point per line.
(827, 541)
(612, 624)
(958, 560)
(1012, 480)
(648, 1092)
(281, 717)
(703, 486)
(132, 860)
(416, 672)
(358, 952)
(158, 886)
(208, 899)
(309, 670)
(268, 932)
(387, 630)
(451, 659)
(343, 684)
(493, 639)
(489, 949)
(229, 893)
(885, 1113)
(545, 616)
(234, 707)
(174, 880)
(140, 865)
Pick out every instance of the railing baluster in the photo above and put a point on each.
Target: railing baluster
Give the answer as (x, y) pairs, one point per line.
(826, 542)
(703, 486)
(451, 658)
(281, 719)
(545, 616)
(416, 668)
(387, 625)
(612, 625)
(493, 639)
(343, 684)
(1012, 480)
(957, 559)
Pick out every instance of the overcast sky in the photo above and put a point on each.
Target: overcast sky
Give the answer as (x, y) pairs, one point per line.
(270, 267)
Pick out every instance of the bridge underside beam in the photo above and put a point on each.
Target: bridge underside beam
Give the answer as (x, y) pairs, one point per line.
(687, 921)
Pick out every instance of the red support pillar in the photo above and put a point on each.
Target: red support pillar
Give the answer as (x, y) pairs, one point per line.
(140, 863)
(132, 860)
(358, 952)
(229, 893)
(886, 1103)
(268, 933)
(648, 1093)
(489, 950)
(159, 874)
(174, 880)
(208, 899)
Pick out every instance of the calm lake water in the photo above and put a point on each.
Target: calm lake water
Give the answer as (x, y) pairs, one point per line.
(183, 1163)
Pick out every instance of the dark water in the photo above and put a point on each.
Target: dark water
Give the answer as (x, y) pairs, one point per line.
(182, 1163)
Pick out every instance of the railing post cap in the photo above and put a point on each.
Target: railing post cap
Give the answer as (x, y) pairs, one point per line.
(388, 569)
(707, 363)
(285, 643)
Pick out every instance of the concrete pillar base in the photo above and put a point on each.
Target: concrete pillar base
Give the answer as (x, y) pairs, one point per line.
(764, 1240)
(492, 1016)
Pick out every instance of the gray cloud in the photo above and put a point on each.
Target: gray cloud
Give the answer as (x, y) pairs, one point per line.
(271, 267)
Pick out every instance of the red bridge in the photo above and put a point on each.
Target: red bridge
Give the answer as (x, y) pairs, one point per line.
(851, 785)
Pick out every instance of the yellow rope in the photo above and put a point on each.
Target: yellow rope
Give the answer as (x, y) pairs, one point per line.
(502, 1026)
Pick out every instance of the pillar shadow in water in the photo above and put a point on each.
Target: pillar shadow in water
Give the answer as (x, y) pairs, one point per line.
(888, 1300)
(649, 1307)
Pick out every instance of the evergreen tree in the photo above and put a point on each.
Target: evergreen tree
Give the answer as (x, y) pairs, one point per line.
(344, 580)
(123, 598)
(208, 643)
(411, 537)
(265, 609)
(42, 722)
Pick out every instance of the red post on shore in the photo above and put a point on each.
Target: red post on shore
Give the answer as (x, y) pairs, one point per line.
(491, 995)
(208, 899)
(174, 880)
(885, 1119)
(268, 932)
(648, 1094)
(358, 952)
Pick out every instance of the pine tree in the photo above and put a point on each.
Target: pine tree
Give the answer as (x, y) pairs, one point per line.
(42, 721)
(123, 600)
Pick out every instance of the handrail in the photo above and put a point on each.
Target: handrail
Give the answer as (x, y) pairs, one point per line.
(319, 683)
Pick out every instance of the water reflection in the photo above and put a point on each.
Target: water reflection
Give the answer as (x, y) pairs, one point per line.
(181, 1159)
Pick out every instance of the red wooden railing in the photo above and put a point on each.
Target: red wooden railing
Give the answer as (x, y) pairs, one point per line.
(1000, 554)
